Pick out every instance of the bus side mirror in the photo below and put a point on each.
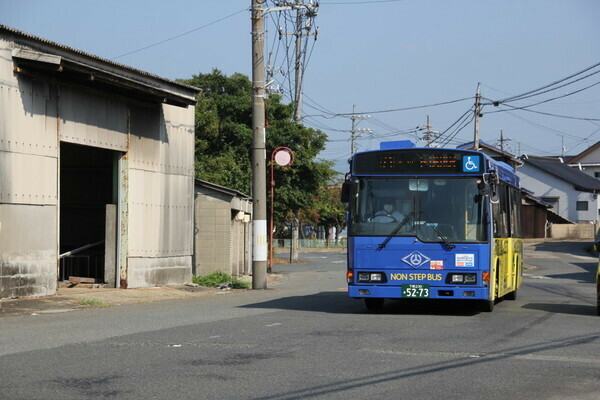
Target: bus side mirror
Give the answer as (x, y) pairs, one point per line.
(494, 198)
(346, 191)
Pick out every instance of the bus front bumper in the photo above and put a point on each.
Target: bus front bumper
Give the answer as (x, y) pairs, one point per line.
(435, 292)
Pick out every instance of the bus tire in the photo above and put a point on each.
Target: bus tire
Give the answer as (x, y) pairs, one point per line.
(374, 305)
(486, 305)
(511, 295)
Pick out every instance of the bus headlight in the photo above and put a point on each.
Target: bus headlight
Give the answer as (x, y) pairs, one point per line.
(371, 277)
(465, 278)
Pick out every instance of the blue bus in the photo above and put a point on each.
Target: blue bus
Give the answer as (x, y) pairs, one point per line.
(432, 223)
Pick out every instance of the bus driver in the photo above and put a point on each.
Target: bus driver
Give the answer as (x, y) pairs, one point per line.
(388, 214)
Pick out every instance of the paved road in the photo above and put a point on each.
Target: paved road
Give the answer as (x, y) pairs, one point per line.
(304, 339)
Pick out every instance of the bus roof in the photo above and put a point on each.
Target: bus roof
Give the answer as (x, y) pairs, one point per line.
(444, 167)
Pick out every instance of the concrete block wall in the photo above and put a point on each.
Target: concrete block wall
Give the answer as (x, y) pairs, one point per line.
(584, 231)
(213, 235)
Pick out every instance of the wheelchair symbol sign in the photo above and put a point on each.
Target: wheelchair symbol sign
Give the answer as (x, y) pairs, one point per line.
(471, 164)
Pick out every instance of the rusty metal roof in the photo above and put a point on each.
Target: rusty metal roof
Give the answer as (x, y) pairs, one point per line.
(25, 35)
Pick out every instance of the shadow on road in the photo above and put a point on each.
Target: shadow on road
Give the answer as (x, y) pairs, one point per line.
(589, 276)
(339, 303)
(573, 309)
(566, 247)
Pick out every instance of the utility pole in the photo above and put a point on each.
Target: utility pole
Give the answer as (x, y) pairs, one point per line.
(298, 88)
(477, 115)
(502, 140)
(305, 14)
(428, 127)
(430, 136)
(354, 131)
(259, 169)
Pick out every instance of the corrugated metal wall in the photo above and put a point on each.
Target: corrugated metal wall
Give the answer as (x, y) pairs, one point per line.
(28, 182)
(161, 187)
(92, 120)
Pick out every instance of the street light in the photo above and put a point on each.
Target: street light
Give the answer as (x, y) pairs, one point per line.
(284, 157)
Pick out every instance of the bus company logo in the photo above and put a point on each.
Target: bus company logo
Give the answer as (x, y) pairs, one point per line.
(416, 259)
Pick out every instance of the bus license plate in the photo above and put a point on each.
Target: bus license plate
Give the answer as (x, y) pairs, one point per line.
(415, 291)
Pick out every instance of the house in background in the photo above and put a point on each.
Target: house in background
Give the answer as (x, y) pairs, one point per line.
(539, 212)
(588, 161)
(572, 193)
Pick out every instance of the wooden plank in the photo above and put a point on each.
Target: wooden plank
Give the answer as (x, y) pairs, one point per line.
(80, 279)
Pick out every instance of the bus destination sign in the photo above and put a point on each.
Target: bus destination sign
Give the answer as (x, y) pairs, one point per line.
(392, 162)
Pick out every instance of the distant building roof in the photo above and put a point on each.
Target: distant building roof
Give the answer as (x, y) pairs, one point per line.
(222, 189)
(584, 153)
(505, 155)
(42, 57)
(580, 180)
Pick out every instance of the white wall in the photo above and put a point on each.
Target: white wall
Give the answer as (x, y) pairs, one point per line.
(543, 184)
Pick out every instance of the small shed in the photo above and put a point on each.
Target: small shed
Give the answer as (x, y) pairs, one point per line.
(537, 216)
(222, 230)
(96, 170)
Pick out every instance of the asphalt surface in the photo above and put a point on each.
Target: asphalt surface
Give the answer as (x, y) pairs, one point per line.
(304, 339)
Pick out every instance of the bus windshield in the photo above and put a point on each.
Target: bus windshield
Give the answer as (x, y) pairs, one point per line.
(432, 209)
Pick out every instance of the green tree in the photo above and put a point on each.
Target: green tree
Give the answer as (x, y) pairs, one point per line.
(331, 210)
(223, 119)
(224, 140)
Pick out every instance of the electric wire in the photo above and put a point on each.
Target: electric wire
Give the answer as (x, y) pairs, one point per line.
(395, 109)
(530, 92)
(513, 108)
(337, 3)
(180, 35)
(547, 100)
(457, 130)
(455, 123)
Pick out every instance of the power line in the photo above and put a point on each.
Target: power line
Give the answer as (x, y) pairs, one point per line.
(395, 109)
(545, 128)
(531, 92)
(550, 114)
(457, 122)
(180, 35)
(337, 3)
(457, 130)
(552, 99)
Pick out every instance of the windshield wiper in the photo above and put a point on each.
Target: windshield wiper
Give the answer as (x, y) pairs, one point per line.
(442, 237)
(396, 229)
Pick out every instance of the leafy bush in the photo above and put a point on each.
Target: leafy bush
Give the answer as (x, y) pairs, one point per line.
(217, 278)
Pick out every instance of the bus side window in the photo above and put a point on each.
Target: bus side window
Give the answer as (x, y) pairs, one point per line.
(501, 213)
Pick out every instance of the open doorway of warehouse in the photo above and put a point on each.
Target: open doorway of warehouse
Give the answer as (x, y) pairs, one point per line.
(88, 214)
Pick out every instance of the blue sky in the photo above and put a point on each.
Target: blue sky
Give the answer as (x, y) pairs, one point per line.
(376, 55)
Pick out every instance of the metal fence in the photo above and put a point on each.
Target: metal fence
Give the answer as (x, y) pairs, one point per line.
(310, 243)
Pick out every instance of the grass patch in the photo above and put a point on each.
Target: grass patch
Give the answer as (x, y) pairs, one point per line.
(217, 278)
(93, 303)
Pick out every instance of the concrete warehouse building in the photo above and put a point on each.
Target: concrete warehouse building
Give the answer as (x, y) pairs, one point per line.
(96, 170)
